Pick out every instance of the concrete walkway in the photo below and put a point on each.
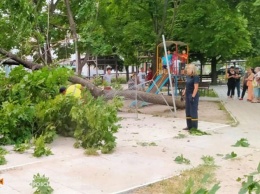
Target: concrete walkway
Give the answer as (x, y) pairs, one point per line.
(133, 163)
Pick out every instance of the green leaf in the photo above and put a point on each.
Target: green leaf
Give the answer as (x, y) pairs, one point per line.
(238, 179)
(258, 168)
(205, 178)
(230, 156)
(242, 143)
(202, 191)
(197, 132)
(190, 184)
(208, 160)
(2, 160)
(214, 189)
(3, 151)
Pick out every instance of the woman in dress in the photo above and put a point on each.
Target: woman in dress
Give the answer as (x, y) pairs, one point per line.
(250, 90)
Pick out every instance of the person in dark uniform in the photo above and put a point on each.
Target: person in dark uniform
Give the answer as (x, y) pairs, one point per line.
(231, 76)
(192, 97)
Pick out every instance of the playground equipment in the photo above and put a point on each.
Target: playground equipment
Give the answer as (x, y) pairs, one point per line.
(176, 44)
(161, 79)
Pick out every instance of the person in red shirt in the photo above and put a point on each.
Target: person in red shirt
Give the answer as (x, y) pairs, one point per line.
(184, 60)
(149, 76)
(175, 63)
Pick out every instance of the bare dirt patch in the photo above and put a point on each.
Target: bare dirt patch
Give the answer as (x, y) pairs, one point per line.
(208, 111)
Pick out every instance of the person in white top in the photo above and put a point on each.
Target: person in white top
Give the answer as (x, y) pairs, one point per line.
(108, 76)
(141, 78)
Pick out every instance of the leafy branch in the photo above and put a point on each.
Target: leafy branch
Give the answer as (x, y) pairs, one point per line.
(251, 184)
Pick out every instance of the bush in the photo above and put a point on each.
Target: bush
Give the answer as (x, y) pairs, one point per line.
(119, 80)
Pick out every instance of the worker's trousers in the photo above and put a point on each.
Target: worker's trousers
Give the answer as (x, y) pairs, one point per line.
(192, 111)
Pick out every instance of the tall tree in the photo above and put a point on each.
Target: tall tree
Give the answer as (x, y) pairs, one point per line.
(213, 29)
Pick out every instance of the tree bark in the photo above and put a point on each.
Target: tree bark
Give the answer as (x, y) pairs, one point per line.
(202, 60)
(75, 36)
(107, 94)
(27, 64)
(214, 70)
(128, 94)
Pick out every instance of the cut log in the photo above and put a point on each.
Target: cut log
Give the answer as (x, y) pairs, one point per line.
(96, 91)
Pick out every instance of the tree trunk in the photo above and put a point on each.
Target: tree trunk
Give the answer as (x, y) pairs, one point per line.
(127, 72)
(82, 63)
(214, 70)
(128, 94)
(49, 57)
(96, 91)
(202, 60)
(75, 36)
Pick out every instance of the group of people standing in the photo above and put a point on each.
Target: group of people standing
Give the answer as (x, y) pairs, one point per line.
(177, 62)
(137, 81)
(251, 82)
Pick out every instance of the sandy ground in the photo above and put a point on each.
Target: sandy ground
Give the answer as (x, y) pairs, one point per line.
(208, 111)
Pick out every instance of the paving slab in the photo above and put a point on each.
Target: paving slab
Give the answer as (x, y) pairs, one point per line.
(130, 165)
(134, 163)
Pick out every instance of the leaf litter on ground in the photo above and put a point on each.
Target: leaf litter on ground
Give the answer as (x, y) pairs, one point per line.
(198, 132)
(230, 156)
(243, 142)
(181, 160)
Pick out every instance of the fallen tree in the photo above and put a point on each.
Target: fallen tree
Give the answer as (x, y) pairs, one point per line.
(96, 91)
(129, 94)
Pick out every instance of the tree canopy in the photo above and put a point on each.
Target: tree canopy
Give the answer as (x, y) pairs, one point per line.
(218, 30)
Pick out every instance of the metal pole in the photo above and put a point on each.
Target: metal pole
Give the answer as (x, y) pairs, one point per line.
(136, 105)
(169, 74)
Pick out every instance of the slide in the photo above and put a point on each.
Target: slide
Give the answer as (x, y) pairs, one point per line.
(160, 81)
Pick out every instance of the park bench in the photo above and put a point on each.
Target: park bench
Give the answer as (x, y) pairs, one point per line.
(203, 86)
(205, 76)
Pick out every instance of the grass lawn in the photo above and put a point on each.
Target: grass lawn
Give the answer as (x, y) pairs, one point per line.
(189, 181)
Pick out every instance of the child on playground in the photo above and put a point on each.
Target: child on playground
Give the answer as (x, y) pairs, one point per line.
(184, 60)
(164, 61)
(141, 78)
(175, 63)
(149, 76)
